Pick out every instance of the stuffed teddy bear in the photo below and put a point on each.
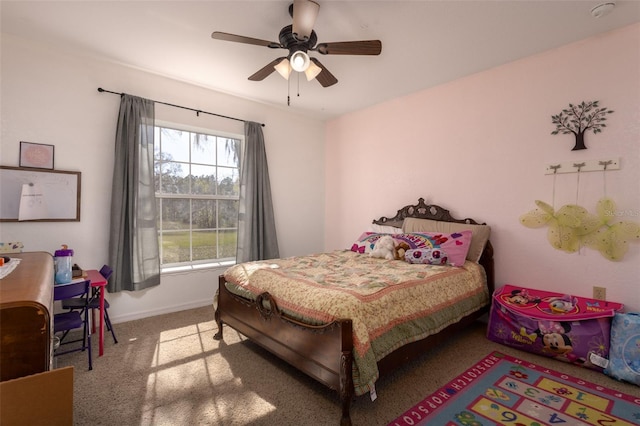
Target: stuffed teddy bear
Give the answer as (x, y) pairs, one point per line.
(384, 248)
(400, 250)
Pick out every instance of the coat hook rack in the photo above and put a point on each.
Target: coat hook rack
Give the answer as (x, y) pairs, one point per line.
(585, 166)
(555, 168)
(604, 164)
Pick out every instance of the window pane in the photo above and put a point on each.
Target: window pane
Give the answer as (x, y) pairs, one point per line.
(228, 152)
(175, 247)
(203, 149)
(229, 181)
(204, 214)
(203, 179)
(175, 214)
(228, 214)
(173, 178)
(175, 144)
(228, 241)
(204, 245)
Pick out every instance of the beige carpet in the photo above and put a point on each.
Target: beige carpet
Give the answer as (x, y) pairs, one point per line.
(168, 370)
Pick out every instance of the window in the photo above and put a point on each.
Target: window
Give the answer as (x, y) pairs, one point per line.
(197, 184)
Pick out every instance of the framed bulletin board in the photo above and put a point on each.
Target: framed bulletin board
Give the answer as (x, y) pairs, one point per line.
(39, 195)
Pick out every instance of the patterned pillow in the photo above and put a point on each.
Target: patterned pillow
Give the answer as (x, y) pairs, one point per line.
(364, 244)
(455, 245)
(426, 256)
(479, 233)
(624, 362)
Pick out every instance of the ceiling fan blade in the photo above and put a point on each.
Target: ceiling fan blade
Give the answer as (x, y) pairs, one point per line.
(363, 47)
(325, 78)
(218, 35)
(265, 71)
(305, 13)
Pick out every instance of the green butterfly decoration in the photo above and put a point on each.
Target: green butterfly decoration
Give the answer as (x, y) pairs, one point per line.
(572, 226)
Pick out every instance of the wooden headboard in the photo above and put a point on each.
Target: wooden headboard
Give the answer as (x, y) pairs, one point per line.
(435, 212)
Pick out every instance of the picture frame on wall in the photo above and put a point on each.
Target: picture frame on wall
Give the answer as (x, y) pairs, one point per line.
(36, 155)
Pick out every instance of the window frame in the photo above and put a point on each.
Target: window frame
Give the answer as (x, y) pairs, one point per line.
(193, 265)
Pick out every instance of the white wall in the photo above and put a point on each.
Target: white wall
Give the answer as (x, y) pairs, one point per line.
(50, 96)
(479, 146)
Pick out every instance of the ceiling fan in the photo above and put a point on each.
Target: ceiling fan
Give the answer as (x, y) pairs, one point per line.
(300, 38)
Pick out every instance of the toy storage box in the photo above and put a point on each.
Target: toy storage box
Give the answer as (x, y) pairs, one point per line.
(564, 327)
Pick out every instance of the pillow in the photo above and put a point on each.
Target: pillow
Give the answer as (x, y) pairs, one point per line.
(624, 363)
(385, 229)
(364, 244)
(456, 245)
(426, 256)
(480, 233)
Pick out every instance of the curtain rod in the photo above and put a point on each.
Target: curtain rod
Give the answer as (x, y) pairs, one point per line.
(197, 111)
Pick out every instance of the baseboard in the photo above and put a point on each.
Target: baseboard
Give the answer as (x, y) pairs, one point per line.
(154, 312)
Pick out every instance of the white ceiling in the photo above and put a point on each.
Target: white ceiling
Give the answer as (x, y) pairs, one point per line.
(424, 43)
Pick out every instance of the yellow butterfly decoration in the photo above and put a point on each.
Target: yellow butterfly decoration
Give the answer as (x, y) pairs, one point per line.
(611, 239)
(572, 226)
(566, 225)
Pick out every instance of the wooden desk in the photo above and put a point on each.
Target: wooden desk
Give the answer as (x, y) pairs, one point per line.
(26, 316)
(97, 280)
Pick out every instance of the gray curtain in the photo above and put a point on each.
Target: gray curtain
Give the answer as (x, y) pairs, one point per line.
(133, 238)
(257, 238)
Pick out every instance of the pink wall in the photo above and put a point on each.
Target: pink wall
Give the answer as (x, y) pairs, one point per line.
(479, 146)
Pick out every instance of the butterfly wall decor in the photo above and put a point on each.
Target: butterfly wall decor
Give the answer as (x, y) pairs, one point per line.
(572, 227)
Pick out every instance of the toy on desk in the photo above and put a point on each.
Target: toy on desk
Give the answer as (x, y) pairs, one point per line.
(76, 271)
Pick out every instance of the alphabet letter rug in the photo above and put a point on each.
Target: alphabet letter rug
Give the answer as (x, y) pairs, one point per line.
(503, 390)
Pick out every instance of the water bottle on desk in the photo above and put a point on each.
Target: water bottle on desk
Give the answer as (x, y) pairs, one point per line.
(63, 262)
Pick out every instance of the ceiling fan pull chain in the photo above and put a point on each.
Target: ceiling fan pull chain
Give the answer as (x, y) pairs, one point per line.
(288, 92)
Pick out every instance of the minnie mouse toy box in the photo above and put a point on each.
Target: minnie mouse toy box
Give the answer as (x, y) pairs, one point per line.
(569, 328)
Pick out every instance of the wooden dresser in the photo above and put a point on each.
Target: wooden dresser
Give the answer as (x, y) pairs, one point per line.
(26, 316)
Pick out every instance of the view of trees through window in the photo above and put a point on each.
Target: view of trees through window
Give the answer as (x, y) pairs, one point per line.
(197, 184)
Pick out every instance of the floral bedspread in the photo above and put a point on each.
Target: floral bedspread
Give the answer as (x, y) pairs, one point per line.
(390, 302)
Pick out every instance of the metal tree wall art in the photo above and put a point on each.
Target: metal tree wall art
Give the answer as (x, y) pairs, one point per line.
(580, 118)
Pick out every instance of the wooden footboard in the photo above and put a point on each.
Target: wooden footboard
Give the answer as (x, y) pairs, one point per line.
(323, 352)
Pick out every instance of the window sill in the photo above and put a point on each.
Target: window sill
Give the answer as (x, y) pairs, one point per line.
(197, 267)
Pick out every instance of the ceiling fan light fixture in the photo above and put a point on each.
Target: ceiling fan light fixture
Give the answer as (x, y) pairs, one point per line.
(313, 71)
(300, 61)
(305, 13)
(283, 68)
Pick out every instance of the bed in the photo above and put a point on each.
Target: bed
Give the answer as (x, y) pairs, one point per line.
(336, 333)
